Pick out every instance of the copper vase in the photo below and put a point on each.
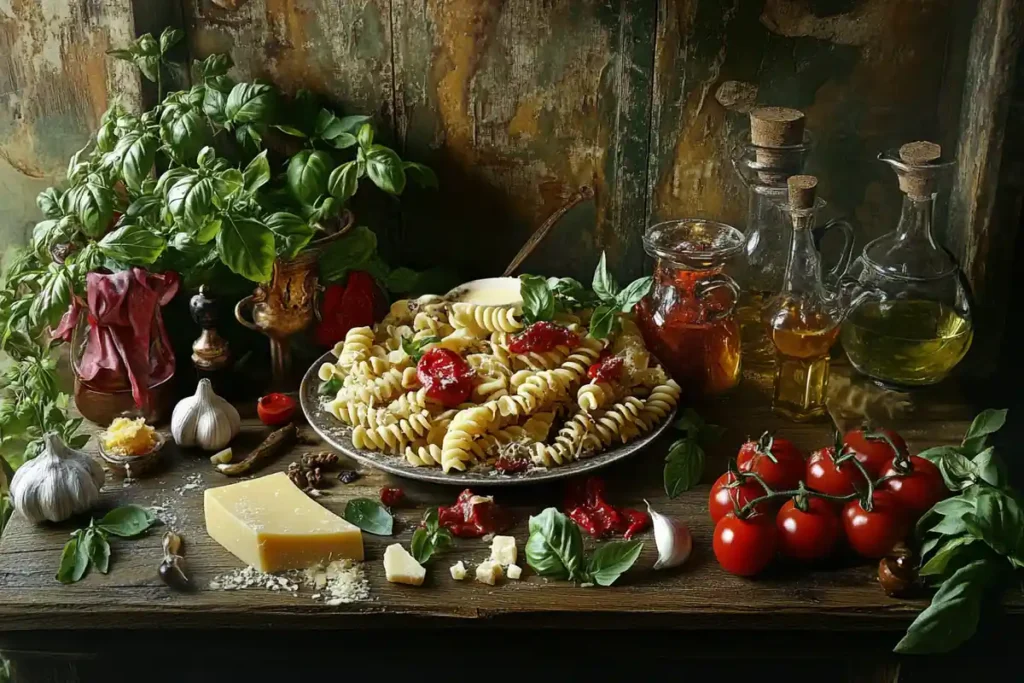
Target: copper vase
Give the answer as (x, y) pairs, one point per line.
(287, 304)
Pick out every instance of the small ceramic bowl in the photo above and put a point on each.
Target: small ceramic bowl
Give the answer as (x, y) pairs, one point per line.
(133, 466)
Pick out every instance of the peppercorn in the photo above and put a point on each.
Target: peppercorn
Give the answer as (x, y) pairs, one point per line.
(348, 476)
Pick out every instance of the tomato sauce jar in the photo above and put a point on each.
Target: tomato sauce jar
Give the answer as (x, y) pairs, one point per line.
(688, 318)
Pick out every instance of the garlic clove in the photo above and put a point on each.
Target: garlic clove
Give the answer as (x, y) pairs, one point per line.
(672, 538)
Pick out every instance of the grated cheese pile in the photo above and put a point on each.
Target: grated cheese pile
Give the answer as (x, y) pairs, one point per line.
(341, 581)
(129, 437)
(250, 577)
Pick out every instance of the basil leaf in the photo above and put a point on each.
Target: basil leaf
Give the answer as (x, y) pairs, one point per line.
(352, 251)
(414, 348)
(307, 175)
(384, 168)
(952, 617)
(127, 521)
(348, 124)
(684, 467)
(138, 155)
(52, 300)
(291, 233)
(986, 423)
(990, 468)
(365, 136)
(149, 65)
(571, 293)
(431, 520)
(170, 178)
(133, 245)
(331, 387)
(146, 206)
(604, 284)
(226, 184)
(169, 38)
(538, 302)
(209, 231)
(250, 103)
(99, 553)
(184, 135)
(73, 562)
(191, 199)
(370, 516)
(94, 206)
(290, 130)
(603, 321)
(998, 521)
(958, 472)
(636, 290)
(611, 560)
(424, 176)
(257, 173)
(947, 552)
(344, 181)
(555, 546)
(246, 246)
(421, 547)
(48, 202)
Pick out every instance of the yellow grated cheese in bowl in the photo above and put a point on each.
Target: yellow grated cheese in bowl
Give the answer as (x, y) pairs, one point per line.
(129, 437)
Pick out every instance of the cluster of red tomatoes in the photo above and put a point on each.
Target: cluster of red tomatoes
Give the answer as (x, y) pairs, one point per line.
(868, 489)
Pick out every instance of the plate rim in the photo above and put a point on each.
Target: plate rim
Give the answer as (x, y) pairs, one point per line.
(309, 400)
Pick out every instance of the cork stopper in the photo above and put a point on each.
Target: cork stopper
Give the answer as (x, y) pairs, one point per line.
(919, 180)
(803, 190)
(776, 126)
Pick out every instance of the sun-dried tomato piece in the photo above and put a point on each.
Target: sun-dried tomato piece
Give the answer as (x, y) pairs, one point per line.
(447, 378)
(541, 337)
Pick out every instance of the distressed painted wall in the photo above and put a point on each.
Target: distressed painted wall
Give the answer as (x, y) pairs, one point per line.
(518, 102)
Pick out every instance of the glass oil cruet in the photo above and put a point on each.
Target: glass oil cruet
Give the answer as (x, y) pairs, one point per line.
(687, 318)
(778, 149)
(804, 317)
(923, 328)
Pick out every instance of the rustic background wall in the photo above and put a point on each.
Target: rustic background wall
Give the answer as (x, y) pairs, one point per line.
(517, 103)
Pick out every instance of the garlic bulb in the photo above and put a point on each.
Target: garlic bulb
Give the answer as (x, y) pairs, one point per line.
(204, 420)
(672, 538)
(59, 483)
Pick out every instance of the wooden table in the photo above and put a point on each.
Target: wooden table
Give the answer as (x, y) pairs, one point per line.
(54, 632)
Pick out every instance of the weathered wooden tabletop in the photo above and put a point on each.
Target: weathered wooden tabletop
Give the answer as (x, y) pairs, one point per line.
(841, 596)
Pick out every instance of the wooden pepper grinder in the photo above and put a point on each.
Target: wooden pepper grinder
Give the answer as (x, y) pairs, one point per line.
(210, 352)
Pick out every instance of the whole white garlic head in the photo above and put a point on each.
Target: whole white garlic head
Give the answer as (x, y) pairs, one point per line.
(204, 420)
(57, 484)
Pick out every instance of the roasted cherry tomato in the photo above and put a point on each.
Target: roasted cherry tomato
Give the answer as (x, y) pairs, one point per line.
(446, 376)
(722, 496)
(392, 497)
(808, 534)
(275, 409)
(873, 533)
(825, 476)
(774, 459)
(872, 452)
(745, 546)
(916, 490)
(541, 337)
(607, 370)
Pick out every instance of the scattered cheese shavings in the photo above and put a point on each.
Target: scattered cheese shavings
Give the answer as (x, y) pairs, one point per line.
(250, 577)
(340, 582)
(192, 482)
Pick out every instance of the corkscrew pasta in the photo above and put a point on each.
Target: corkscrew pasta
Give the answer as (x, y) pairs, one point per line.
(539, 406)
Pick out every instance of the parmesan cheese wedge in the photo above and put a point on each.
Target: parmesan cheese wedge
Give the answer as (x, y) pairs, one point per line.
(401, 567)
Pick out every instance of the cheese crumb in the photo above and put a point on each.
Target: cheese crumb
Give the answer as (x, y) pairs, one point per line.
(489, 572)
(458, 571)
(503, 550)
(401, 567)
(514, 571)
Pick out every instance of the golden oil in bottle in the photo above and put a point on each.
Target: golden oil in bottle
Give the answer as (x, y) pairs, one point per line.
(755, 334)
(802, 341)
(906, 342)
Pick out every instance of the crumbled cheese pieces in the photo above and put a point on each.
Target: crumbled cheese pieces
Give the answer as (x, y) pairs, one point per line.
(251, 577)
(129, 437)
(401, 567)
(514, 571)
(489, 572)
(272, 525)
(503, 550)
(458, 571)
(340, 582)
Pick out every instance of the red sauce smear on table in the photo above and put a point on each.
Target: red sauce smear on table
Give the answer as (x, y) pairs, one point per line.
(585, 505)
(473, 516)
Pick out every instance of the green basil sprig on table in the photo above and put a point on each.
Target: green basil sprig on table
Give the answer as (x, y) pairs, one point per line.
(429, 538)
(89, 547)
(555, 550)
(970, 543)
(684, 464)
(370, 516)
(542, 298)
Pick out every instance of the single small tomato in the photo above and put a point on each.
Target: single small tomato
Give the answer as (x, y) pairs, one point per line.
(873, 533)
(774, 459)
(918, 489)
(745, 546)
(825, 476)
(722, 497)
(873, 451)
(809, 534)
(275, 409)
(446, 376)
(392, 497)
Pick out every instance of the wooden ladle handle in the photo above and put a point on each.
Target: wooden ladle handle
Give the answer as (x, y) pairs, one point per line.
(585, 192)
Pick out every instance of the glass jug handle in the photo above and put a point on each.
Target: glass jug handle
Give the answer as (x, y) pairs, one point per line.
(836, 273)
(710, 284)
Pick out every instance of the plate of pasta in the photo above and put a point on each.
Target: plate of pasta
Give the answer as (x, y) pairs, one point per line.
(464, 393)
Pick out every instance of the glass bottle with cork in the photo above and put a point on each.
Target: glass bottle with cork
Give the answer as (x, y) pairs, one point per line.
(923, 328)
(778, 149)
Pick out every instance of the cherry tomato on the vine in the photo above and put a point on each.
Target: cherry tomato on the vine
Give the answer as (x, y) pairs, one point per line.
(720, 502)
(774, 459)
(873, 533)
(918, 490)
(745, 546)
(825, 476)
(874, 454)
(808, 535)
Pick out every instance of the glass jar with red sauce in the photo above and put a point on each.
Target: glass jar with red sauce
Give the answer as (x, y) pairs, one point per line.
(688, 317)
